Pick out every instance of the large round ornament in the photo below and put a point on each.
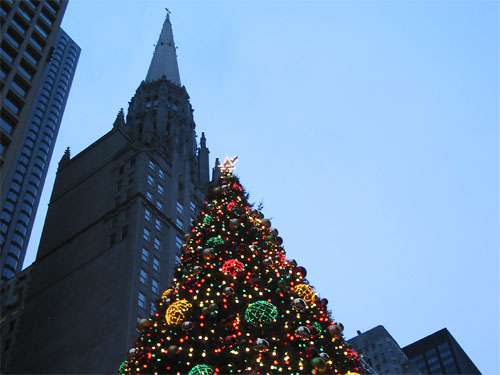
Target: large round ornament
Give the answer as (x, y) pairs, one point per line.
(234, 223)
(318, 363)
(202, 370)
(311, 352)
(262, 345)
(306, 292)
(336, 329)
(228, 291)
(325, 356)
(232, 267)
(261, 312)
(303, 332)
(172, 350)
(142, 324)
(268, 262)
(187, 325)
(176, 312)
(299, 304)
(208, 253)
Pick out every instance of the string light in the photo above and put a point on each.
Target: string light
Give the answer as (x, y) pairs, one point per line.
(236, 303)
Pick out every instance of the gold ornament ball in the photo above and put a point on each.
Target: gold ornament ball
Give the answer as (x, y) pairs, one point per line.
(176, 312)
(305, 292)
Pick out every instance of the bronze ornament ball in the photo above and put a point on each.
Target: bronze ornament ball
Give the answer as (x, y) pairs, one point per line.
(142, 324)
(208, 253)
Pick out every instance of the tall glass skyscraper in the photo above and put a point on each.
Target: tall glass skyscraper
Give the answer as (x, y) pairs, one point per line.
(38, 62)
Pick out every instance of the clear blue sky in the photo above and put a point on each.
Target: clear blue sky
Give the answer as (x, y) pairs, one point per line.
(369, 130)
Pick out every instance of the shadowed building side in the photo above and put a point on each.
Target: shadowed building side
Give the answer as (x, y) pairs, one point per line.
(114, 228)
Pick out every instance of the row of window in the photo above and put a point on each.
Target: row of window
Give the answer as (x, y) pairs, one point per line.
(145, 258)
(149, 218)
(153, 167)
(143, 278)
(147, 236)
(39, 163)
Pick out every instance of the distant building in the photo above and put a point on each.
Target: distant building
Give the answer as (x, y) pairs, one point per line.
(440, 353)
(382, 352)
(38, 61)
(13, 295)
(114, 230)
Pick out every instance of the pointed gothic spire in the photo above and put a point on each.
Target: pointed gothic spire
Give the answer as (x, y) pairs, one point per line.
(65, 158)
(164, 62)
(120, 119)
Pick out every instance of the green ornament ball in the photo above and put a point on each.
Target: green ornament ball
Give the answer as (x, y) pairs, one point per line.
(202, 370)
(318, 363)
(261, 312)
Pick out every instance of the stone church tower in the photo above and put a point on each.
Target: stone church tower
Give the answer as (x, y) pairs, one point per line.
(117, 216)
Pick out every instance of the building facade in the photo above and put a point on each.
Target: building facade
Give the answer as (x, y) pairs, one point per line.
(114, 228)
(440, 353)
(37, 67)
(13, 295)
(378, 348)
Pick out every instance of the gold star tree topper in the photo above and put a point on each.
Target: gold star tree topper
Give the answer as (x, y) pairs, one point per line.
(228, 164)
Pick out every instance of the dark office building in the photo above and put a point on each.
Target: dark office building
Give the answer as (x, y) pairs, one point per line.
(379, 349)
(114, 228)
(38, 61)
(13, 295)
(440, 353)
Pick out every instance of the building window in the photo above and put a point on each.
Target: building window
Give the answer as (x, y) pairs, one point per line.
(180, 207)
(157, 243)
(154, 286)
(147, 215)
(143, 277)
(192, 206)
(161, 174)
(179, 222)
(141, 301)
(146, 235)
(145, 255)
(178, 242)
(150, 180)
(153, 308)
(159, 205)
(158, 224)
(160, 189)
(149, 196)
(177, 259)
(152, 165)
(156, 264)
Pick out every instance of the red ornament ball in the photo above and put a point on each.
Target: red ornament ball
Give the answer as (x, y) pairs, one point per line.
(232, 267)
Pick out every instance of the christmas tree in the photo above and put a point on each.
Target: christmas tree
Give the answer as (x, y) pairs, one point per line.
(237, 305)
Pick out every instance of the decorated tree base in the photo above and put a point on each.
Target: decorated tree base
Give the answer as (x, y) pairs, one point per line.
(237, 305)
